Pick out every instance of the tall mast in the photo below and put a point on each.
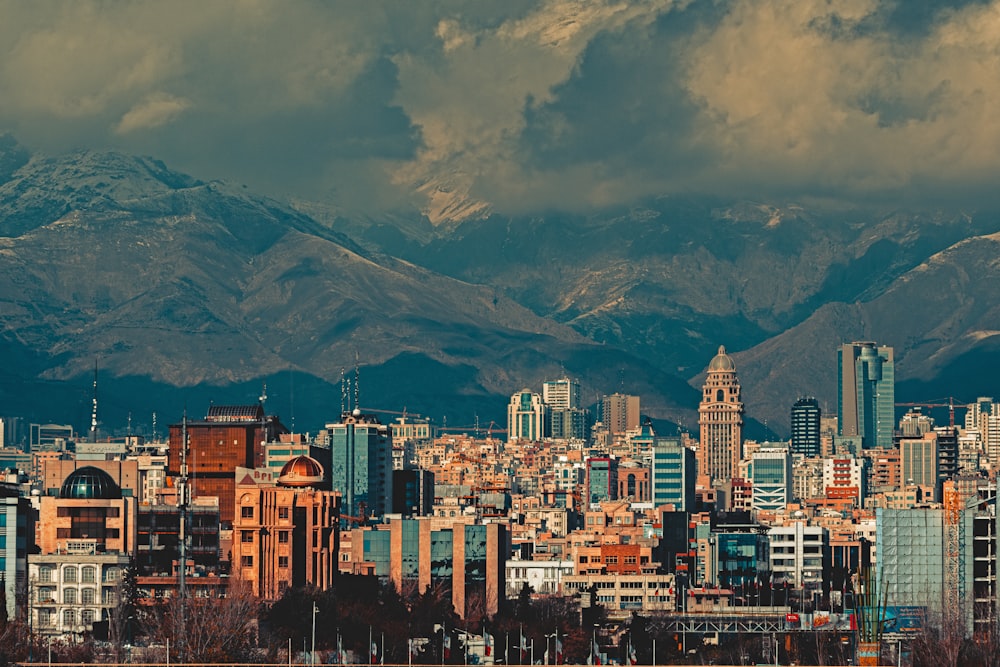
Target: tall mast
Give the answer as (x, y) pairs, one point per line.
(93, 414)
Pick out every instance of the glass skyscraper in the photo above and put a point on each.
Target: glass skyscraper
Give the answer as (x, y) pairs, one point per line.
(805, 427)
(866, 393)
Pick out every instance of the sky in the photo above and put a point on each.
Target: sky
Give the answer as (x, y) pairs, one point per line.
(515, 107)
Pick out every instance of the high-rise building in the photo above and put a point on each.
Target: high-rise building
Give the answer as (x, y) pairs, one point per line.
(866, 393)
(230, 436)
(602, 479)
(918, 460)
(17, 526)
(673, 473)
(982, 418)
(806, 416)
(771, 476)
(620, 413)
(564, 393)
(361, 464)
(527, 415)
(720, 421)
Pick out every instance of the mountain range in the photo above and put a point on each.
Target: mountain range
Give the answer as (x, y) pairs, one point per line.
(183, 292)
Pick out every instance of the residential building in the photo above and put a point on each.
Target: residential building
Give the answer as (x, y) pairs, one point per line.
(799, 554)
(542, 577)
(602, 479)
(805, 422)
(620, 413)
(17, 533)
(918, 460)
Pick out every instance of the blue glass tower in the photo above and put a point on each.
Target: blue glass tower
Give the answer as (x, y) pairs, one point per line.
(361, 464)
(866, 393)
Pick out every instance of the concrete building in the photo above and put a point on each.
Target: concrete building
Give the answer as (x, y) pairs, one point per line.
(720, 421)
(845, 477)
(361, 464)
(17, 531)
(286, 535)
(620, 413)
(805, 422)
(866, 393)
(799, 554)
(623, 595)
(918, 461)
(543, 577)
(527, 416)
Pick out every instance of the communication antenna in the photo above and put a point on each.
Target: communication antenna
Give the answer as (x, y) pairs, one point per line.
(182, 502)
(357, 383)
(93, 414)
(263, 415)
(343, 392)
(154, 425)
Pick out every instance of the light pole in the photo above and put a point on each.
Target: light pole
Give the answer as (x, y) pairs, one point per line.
(312, 652)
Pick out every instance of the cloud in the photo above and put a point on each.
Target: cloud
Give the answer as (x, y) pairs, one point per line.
(153, 111)
(462, 107)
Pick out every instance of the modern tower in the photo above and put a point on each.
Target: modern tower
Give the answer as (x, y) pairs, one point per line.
(673, 472)
(805, 427)
(620, 413)
(566, 419)
(866, 393)
(361, 464)
(720, 421)
(526, 416)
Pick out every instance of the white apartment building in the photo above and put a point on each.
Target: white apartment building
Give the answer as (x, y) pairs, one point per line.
(544, 577)
(799, 554)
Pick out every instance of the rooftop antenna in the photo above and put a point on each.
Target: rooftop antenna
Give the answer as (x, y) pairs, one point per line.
(182, 503)
(154, 425)
(343, 392)
(291, 398)
(357, 383)
(263, 414)
(93, 414)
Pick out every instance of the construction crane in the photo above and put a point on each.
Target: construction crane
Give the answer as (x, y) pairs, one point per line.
(938, 403)
(404, 414)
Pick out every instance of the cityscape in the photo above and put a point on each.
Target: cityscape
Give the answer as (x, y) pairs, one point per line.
(862, 537)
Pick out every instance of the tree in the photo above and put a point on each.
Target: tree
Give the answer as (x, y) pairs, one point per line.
(219, 628)
(122, 619)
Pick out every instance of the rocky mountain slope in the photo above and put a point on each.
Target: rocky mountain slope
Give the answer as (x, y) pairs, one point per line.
(185, 291)
(192, 285)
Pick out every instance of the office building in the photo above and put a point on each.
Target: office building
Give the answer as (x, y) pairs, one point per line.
(602, 479)
(564, 393)
(527, 416)
(416, 554)
(674, 473)
(620, 413)
(720, 422)
(17, 531)
(229, 436)
(918, 462)
(800, 554)
(361, 464)
(866, 393)
(771, 478)
(806, 416)
(286, 535)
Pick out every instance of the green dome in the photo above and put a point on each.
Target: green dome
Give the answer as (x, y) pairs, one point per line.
(88, 483)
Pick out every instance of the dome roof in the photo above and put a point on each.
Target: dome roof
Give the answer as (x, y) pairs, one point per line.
(722, 361)
(301, 471)
(89, 483)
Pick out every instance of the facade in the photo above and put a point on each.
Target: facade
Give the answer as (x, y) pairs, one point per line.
(17, 533)
(602, 479)
(800, 554)
(564, 393)
(543, 577)
(621, 595)
(846, 477)
(918, 462)
(415, 554)
(633, 482)
(286, 535)
(735, 560)
(866, 393)
(229, 436)
(673, 474)
(157, 551)
(720, 422)
(412, 492)
(361, 464)
(806, 417)
(89, 509)
(771, 479)
(527, 416)
(620, 413)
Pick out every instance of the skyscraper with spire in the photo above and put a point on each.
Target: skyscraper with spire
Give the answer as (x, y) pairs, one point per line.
(720, 421)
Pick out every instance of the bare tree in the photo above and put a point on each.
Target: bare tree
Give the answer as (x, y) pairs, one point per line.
(219, 628)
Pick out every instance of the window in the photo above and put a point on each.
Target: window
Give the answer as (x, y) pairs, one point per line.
(69, 596)
(69, 575)
(69, 618)
(282, 512)
(47, 594)
(282, 537)
(46, 617)
(246, 561)
(111, 574)
(246, 536)
(87, 617)
(611, 560)
(88, 574)
(110, 596)
(283, 562)
(88, 595)
(45, 573)
(246, 512)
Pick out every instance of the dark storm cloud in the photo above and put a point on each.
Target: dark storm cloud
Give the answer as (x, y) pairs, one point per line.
(461, 107)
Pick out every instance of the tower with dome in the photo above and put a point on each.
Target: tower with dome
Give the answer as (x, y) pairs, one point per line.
(720, 421)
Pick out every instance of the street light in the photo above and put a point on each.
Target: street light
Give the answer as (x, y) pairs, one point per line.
(312, 653)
